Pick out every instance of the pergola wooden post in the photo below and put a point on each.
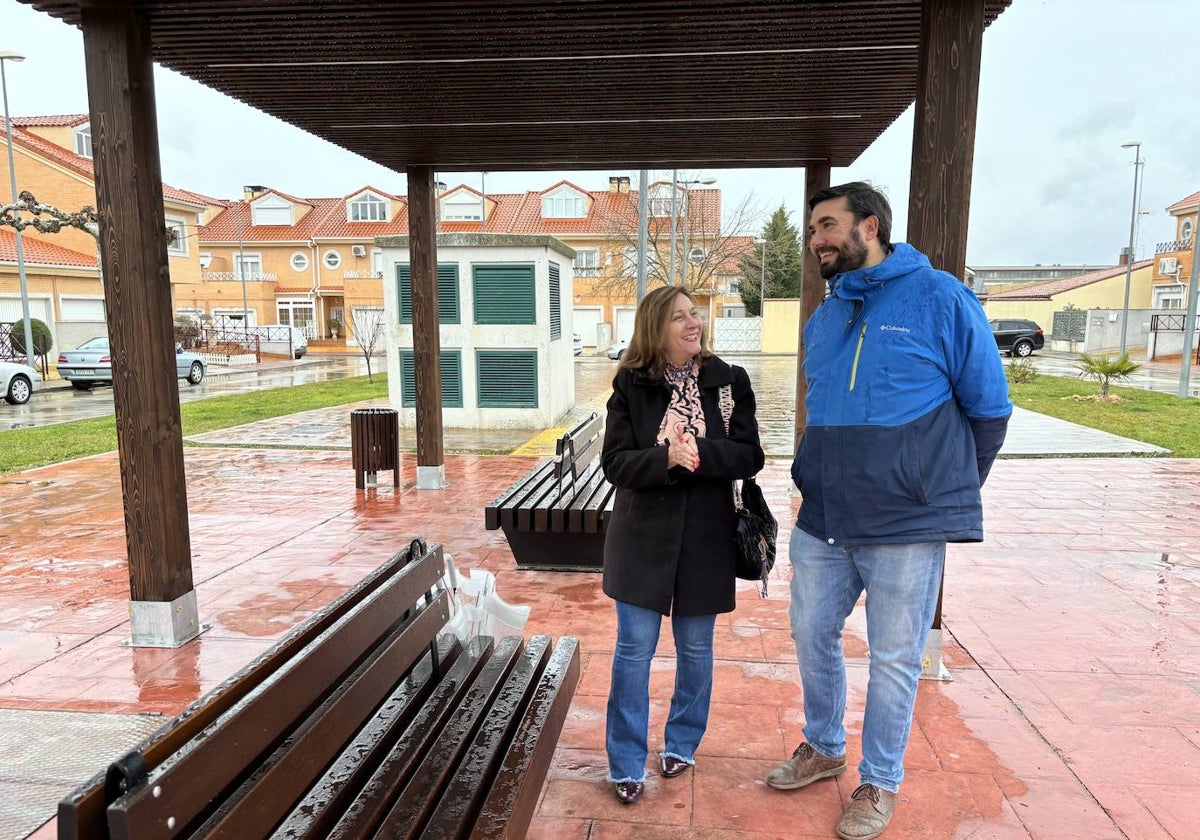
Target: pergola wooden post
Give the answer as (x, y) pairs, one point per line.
(812, 289)
(137, 291)
(943, 151)
(431, 459)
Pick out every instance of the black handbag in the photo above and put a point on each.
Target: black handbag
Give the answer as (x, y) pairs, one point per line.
(754, 539)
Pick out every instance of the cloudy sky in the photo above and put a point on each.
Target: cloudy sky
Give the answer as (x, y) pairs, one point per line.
(1064, 84)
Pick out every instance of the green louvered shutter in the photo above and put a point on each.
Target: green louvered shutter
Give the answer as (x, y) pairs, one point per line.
(507, 378)
(452, 394)
(555, 303)
(504, 294)
(447, 281)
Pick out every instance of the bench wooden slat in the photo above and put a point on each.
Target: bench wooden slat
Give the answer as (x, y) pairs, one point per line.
(603, 498)
(81, 814)
(555, 519)
(508, 810)
(356, 790)
(268, 795)
(568, 516)
(492, 511)
(192, 776)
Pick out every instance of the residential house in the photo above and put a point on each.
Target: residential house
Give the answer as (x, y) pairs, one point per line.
(307, 261)
(53, 162)
(1173, 259)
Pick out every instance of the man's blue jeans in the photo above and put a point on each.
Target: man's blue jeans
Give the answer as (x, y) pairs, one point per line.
(901, 582)
(629, 697)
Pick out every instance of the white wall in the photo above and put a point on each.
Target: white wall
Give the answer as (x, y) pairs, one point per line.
(556, 363)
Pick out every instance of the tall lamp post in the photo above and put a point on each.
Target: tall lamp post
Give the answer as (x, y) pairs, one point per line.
(762, 283)
(687, 256)
(1136, 145)
(9, 55)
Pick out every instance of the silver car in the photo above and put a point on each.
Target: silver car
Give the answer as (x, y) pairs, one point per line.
(90, 364)
(18, 382)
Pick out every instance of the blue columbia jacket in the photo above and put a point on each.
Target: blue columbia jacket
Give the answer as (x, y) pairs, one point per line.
(907, 407)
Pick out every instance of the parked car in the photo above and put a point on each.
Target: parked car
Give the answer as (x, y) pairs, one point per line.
(18, 382)
(1017, 337)
(90, 364)
(577, 344)
(617, 350)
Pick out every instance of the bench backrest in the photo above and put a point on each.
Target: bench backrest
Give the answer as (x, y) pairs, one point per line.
(578, 447)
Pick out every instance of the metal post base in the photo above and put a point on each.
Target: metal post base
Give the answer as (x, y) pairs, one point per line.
(164, 624)
(932, 667)
(431, 478)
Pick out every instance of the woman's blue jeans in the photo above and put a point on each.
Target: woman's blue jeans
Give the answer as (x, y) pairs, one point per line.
(629, 696)
(901, 582)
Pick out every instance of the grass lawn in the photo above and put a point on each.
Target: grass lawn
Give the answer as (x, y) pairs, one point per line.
(1161, 419)
(22, 449)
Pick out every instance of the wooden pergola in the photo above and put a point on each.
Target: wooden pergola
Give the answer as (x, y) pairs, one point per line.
(489, 85)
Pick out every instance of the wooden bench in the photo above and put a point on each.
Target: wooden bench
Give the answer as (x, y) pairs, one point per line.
(556, 516)
(365, 719)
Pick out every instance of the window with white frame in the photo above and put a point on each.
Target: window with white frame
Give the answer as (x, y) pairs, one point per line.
(271, 210)
(1168, 297)
(696, 255)
(629, 259)
(332, 260)
(247, 266)
(462, 206)
(178, 246)
(1186, 229)
(367, 208)
(660, 200)
(299, 261)
(83, 140)
(564, 203)
(587, 262)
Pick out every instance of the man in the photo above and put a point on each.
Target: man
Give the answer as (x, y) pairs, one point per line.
(907, 408)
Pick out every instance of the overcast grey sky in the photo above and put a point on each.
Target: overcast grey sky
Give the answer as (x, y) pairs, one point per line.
(1064, 84)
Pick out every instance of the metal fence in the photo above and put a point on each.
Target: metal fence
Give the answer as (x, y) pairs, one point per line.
(1070, 325)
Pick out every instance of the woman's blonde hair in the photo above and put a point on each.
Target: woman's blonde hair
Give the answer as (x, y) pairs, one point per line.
(645, 352)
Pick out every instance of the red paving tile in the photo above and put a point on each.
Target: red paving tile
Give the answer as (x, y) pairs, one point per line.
(1072, 633)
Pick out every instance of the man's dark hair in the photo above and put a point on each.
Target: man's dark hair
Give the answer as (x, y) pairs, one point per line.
(864, 200)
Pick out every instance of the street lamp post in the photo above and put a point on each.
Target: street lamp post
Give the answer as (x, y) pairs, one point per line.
(671, 272)
(1136, 145)
(762, 283)
(9, 55)
(687, 256)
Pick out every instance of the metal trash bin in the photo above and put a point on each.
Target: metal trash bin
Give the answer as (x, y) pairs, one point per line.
(374, 444)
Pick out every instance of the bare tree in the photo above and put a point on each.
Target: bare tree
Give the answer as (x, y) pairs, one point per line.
(716, 244)
(367, 322)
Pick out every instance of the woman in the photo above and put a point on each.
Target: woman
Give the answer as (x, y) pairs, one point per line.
(670, 544)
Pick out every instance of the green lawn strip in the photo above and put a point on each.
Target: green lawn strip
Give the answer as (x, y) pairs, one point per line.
(1161, 419)
(22, 449)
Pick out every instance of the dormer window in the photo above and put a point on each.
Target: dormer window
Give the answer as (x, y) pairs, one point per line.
(367, 208)
(564, 203)
(271, 210)
(462, 206)
(660, 200)
(83, 140)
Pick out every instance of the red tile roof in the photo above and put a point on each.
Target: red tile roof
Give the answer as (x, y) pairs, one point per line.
(51, 120)
(83, 166)
(42, 253)
(1188, 203)
(1045, 291)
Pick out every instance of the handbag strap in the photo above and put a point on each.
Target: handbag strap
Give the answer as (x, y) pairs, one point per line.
(725, 401)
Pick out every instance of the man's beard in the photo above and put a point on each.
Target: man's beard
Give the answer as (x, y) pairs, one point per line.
(851, 254)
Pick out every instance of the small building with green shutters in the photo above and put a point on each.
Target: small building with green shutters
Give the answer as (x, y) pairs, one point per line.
(504, 308)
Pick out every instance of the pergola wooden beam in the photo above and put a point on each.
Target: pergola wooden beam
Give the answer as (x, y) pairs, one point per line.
(422, 233)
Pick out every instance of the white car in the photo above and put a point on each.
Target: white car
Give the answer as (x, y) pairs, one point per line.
(18, 382)
(577, 344)
(618, 349)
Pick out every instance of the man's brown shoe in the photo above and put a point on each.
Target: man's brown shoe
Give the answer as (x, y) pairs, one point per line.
(870, 811)
(805, 767)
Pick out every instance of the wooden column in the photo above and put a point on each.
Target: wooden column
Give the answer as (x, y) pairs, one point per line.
(812, 288)
(422, 238)
(137, 289)
(943, 152)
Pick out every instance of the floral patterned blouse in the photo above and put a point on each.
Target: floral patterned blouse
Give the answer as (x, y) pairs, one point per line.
(684, 413)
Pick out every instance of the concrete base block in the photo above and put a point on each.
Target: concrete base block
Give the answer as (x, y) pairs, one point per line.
(932, 667)
(431, 478)
(164, 624)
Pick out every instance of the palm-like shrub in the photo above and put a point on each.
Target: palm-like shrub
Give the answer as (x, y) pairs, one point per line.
(1106, 370)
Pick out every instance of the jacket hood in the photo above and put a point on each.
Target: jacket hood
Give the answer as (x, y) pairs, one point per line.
(856, 284)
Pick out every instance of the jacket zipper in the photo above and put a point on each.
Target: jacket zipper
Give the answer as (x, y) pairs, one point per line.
(857, 352)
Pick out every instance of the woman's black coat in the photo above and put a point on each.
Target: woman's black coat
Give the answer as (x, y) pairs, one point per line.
(670, 540)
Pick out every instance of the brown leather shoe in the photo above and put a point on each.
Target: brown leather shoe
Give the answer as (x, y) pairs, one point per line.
(805, 767)
(672, 767)
(630, 792)
(870, 811)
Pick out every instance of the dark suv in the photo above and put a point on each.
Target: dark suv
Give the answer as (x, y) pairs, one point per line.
(1017, 337)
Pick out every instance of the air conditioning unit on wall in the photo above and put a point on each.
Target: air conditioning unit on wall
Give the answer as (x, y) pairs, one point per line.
(358, 250)
(1168, 265)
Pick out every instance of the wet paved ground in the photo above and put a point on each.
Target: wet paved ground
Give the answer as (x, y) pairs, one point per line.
(1072, 635)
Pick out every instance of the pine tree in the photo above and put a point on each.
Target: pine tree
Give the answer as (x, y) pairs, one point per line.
(783, 266)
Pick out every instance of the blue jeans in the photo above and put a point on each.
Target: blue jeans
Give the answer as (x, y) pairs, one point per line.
(901, 582)
(629, 697)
